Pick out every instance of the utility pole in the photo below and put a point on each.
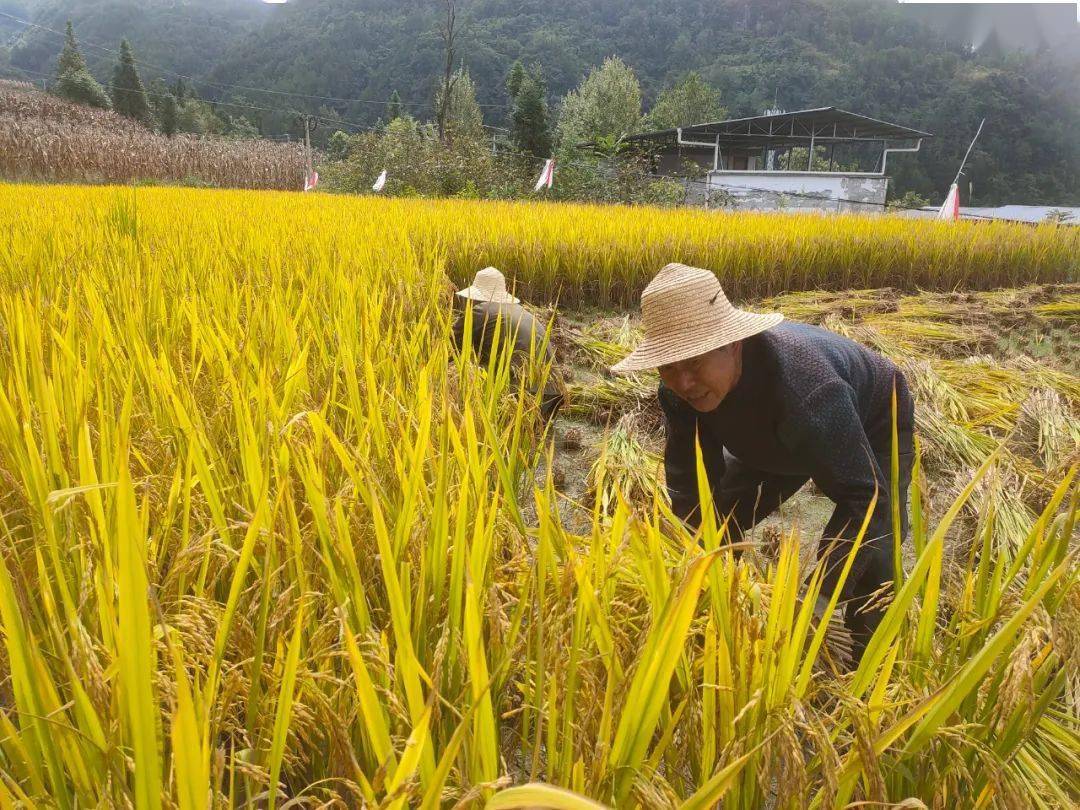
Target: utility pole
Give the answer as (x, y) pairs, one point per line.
(310, 124)
(307, 141)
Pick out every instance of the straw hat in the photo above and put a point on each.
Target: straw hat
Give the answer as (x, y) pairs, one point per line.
(685, 313)
(489, 286)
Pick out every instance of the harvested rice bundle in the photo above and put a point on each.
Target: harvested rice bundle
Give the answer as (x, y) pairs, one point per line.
(605, 399)
(990, 392)
(626, 465)
(1047, 430)
(934, 392)
(913, 336)
(815, 306)
(1064, 309)
(934, 307)
(602, 345)
(1039, 374)
(999, 496)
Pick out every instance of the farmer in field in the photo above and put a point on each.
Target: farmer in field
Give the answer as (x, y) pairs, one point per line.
(776, 404)
(491, 305)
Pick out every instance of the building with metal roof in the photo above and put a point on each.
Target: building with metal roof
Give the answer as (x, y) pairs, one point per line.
(824, 159)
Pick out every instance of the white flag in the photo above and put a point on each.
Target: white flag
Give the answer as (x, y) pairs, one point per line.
(380, 182)
(950, 209)
(310, 181)
(547, 176)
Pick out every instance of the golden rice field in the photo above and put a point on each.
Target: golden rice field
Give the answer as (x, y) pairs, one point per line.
(605, 255)
(267, 542)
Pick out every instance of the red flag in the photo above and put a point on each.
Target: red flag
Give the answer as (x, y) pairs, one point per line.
(951, 207)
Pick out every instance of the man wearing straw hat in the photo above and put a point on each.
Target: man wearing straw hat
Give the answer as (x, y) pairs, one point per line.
(492, 304)
(775, 404)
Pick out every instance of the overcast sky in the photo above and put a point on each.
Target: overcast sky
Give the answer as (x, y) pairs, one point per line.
(1015, 25)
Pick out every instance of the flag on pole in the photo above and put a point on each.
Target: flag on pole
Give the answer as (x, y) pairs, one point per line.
(547, 176)
(951, 208)
(311, 180)
(380, 182)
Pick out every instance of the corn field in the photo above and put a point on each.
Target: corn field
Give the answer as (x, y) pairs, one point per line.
(45, 138)
(268, 542)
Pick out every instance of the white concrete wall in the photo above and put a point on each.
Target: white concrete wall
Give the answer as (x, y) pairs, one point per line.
(814, 191)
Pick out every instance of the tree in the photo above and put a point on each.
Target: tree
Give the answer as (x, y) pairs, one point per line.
(338, 148)
(181, 91)
(447, 33)
(164, 106)
(71, 58)
(198, 118)
(129, 95)
(73, 80)
(394, 108)
(691, 100)
(82, 88)
(514, 79)
(240, 128)
(529, 126)
(169, 115)
(606, 103)
(462, 117)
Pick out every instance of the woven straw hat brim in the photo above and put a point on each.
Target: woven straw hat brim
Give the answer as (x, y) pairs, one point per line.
(475, 294)
(684, 343)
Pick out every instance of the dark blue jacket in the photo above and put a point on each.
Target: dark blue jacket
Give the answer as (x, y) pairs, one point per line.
(809, 404)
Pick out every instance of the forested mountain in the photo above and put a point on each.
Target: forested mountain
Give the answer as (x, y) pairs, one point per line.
(188, 36)
(869, 56)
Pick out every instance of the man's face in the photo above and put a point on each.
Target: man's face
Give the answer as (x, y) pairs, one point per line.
(705, 380)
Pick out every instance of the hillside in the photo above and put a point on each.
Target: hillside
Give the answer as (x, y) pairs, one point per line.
(871, 56)
(45, 138)
(189, 36)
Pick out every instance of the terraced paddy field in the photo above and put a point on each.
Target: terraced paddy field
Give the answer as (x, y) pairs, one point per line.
(268, 541)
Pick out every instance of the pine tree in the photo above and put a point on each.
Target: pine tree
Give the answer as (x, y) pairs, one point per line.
(129, 95)
(155, 94)
(529, 125)
(71, 59)
(73, 80)
(168, 115)
(514, 79)
(394, 109)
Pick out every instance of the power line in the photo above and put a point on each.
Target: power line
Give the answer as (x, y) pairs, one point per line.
(334, 121)
(538, 158)
(580, 164)
(366, 128)
(151, 93)
(226, 85)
